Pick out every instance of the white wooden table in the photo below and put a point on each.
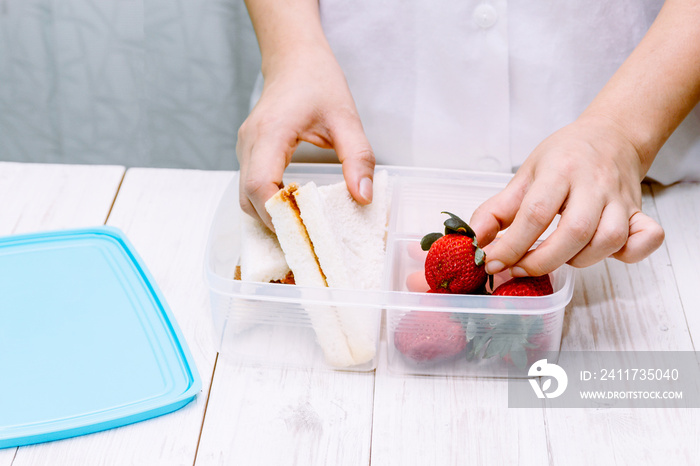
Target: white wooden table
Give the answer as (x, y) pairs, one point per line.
(265, 416)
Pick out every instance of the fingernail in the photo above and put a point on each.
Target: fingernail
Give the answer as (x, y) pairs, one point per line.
(518, 272)
(494, 266)
(366, 189)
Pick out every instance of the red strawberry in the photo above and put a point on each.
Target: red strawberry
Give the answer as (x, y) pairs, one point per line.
(429, 336)
(525, 286)
(454, 263)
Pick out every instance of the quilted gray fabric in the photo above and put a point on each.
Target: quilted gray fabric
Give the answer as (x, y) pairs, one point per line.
(162, 83)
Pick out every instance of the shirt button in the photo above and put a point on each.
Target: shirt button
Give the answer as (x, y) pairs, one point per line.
(485, 15)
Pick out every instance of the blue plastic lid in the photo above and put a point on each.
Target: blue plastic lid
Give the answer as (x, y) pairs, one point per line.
(87, 341)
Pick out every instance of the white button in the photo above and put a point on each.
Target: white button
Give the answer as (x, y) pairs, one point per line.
(485, 15)
(489, 164)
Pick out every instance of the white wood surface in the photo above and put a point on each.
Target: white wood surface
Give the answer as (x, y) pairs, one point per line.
(272, 416)
(620, 307)
(451, 420)
(261, 416)
(37, 197)
(679, 209)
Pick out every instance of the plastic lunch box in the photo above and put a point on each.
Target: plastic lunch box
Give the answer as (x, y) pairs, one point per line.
(267, 323)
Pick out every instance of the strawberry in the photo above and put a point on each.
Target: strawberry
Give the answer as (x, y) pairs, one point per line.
(455, 263)
(525, 286)
(429, 336)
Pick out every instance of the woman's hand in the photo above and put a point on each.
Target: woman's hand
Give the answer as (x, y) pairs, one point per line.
(588, 172)
(305, 98)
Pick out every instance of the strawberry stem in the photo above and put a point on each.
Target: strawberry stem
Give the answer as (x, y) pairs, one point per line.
(479, 257)
(455, 224)
(428, 240)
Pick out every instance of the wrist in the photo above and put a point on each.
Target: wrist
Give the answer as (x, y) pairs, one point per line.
(301, 52)
(632, 149)
(286, 30)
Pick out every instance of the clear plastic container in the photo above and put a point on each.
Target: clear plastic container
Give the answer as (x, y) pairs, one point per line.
(275, 324)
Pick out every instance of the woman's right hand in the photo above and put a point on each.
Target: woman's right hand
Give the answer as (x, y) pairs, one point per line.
(305, 98)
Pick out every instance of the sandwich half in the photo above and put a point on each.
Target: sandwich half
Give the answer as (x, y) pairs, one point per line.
(329, 240)
(302, 260)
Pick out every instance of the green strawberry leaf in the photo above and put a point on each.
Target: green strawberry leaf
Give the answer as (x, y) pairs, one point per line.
(479, 257)
(515, 344)
(519, 358)
(471, 330)
(455, 224)
(536, 326)
(496, 347)
(495, 321)
(507, 335)
(471, 350)
(505, 323)
(428, 240)
(481, 342)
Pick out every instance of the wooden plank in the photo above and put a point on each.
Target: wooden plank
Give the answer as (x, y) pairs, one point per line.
(452, 420)
(38, 197)
(266, 415)
(621, 307)
(679, 213)
(166, 215)
(46, 196)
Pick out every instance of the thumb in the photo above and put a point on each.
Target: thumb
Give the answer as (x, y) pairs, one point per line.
(498, 212)
(645, 237)
(356, 155)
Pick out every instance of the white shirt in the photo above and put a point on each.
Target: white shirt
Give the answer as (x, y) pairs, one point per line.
(477, 84)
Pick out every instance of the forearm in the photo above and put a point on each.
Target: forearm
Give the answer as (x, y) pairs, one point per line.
(286, 30)
(658, 85)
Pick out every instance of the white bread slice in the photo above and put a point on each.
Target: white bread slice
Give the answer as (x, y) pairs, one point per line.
(362, 229)
(301, 258)
(292, 237)
(262, 259)
(349, 241)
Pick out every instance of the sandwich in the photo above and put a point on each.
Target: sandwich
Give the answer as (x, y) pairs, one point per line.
(326, 239)
(262, 259)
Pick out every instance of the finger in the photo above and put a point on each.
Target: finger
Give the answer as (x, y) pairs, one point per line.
(577, 226)
(262, 177)
(243, 155)
(498, 212)
(357, 157)
(609, 237)
(645, 237)
(539, 207)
